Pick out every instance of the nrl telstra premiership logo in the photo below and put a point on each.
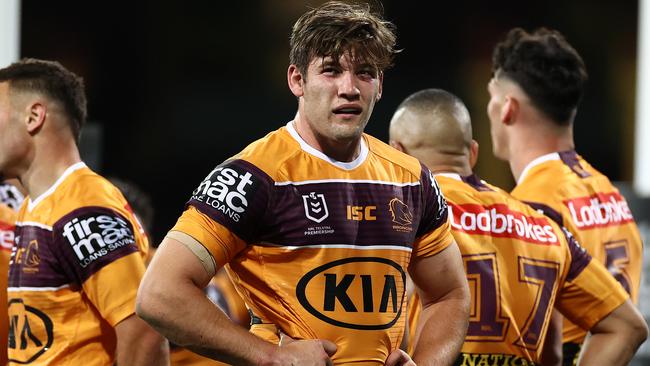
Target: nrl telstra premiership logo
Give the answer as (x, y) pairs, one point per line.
(315, 206)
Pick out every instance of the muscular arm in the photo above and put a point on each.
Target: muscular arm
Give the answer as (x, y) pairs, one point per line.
(171, 299)
(444, 293)
(615, 339)
(139, 345)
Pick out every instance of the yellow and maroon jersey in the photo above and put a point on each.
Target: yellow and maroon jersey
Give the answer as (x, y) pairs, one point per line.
(75, 268)
(319, 248)
(573, 193)
(7, 224)
(519, 264)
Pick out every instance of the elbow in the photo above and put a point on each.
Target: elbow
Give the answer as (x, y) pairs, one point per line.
(147, 304)
(640, 329)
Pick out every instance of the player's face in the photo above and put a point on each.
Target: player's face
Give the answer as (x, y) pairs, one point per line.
(339, 96)
(497, 128)
(12, 139)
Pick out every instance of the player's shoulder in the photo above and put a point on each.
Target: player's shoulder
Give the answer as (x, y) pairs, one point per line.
(269, 153)
(392, 156)
(85, 189)
(7, 215)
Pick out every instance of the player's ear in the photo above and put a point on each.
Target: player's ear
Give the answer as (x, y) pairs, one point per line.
(295, 80)
(473, 153)
(510, 110)
(35, 116)
(381, 86)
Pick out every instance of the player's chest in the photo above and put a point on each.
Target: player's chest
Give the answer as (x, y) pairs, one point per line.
(344, 212)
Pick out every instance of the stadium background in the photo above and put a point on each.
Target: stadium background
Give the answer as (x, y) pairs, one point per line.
(176, 87)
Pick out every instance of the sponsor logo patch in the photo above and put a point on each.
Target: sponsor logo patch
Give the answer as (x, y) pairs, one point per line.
(94, 235)
(599, 210)
(30, 332)
(227, 189)
(315, 206)
(364, 293)
(6, 236)
(500, 221)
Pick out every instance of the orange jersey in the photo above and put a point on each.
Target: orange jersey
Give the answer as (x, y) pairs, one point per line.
(583, 200)
(519, 264)
(7, 225)
(319, 248)
(75, 268)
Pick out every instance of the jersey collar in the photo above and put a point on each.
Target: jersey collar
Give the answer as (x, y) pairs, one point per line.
(535, 162)
(340, 164)
(71, 169)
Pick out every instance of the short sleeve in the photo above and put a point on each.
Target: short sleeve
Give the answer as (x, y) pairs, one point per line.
(227, 210)
(97, 249)
(434, 231)
(590, 293)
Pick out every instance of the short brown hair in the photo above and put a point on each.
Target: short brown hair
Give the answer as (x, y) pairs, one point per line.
(336, 27)
(54, 81)
(546, 67)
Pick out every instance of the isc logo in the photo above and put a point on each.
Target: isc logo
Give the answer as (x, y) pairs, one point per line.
(358, 292)
(361, 213)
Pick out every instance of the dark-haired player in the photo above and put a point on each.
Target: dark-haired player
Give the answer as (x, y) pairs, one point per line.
(519, 263)
(538, 81)
(79, 254)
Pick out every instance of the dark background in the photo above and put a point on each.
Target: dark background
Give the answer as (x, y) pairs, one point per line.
(176, 87)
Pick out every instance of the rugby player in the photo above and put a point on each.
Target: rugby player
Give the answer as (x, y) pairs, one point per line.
(319, 223)
(7, 226)
(79, 254)
(519, 263)
(538, 81)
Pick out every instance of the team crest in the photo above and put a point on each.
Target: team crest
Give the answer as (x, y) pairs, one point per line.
(400, 212)
(315, 206)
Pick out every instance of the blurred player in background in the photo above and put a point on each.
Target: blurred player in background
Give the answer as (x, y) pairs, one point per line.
(538, 81)
(519, 262)
(79, 253)
(319, 223)
(11, 198)
(220, 290)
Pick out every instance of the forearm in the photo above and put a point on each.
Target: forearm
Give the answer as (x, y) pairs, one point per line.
(139, 345)
(188, 318)
(442, 331)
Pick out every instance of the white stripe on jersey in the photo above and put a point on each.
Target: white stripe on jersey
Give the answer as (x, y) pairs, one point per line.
(17, 289)
(33, 223)
(354, 181)
(340, 246)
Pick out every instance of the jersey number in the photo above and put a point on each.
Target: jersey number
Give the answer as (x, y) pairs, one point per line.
(487, 324)
(616, 261)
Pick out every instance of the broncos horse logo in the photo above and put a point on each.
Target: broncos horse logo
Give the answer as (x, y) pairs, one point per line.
(400, 212)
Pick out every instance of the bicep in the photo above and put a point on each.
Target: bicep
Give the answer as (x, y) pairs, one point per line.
(175, 262)
(439, 275)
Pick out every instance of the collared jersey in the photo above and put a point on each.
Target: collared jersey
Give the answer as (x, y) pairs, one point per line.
(7, 225)
(519, 264)
(319, 248)
(76, 265)
(583, 200)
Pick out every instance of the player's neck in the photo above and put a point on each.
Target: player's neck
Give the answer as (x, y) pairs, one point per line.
(343, 151)
(532, 143)
(49, 161)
